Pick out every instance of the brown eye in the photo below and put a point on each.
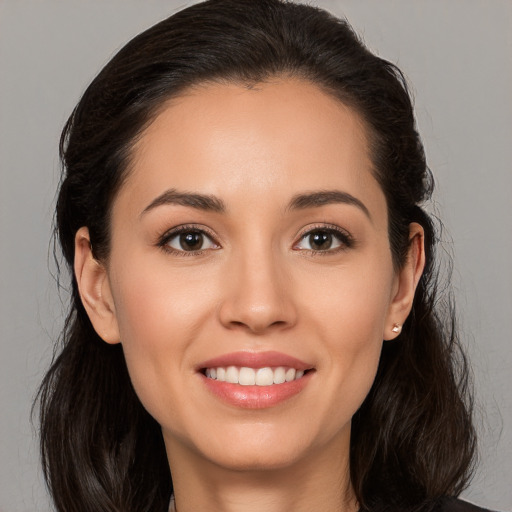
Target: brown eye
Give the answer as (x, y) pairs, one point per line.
(320, 240)
(190, 241)
(323, 240)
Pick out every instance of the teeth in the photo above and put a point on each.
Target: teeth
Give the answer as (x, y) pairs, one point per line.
(290, 374)
(250, 376)
(264, 377)
(247, 377)
(280, 375)
(232, 374)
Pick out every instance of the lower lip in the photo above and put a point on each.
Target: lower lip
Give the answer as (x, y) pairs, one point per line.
(256, 397)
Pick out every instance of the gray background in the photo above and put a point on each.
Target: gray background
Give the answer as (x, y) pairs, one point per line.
(456, 53)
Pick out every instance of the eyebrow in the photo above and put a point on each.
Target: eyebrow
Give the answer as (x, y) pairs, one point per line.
(323, 197)
(212, 203)
(198, 201)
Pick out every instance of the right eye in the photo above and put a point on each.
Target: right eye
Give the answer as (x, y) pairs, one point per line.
(188, 241)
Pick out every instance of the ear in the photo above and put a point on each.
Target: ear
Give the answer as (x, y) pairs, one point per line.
(407, 281)
(94, 288)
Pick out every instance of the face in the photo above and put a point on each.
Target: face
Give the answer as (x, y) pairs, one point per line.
(250, 278)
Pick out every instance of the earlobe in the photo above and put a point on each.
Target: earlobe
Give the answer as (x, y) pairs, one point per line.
(408, 278)
(94, 288)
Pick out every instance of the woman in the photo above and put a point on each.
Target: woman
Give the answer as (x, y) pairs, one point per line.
(255, 322)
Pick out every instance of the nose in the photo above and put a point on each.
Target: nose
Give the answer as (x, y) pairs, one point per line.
(259, 295)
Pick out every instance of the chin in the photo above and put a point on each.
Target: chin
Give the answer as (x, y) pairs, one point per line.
(260, 459)
(260, 448)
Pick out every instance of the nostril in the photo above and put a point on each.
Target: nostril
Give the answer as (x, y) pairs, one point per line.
(236, 323)
(256, 308)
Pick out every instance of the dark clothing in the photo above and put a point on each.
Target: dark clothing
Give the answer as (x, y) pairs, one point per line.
(454, 505)
(443, 504)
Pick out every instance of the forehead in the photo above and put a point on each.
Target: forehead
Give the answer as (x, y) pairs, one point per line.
(232, 141)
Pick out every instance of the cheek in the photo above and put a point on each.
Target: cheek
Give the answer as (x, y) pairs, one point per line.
(351, 318)
(352, 305)
(158, 316)
(156, 304)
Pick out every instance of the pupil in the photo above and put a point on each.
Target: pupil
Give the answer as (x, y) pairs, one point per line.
(321, 240)
(191, 241)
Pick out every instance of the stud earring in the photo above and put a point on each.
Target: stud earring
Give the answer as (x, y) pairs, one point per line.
(396, 328)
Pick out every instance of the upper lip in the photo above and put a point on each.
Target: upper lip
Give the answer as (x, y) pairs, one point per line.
(255, 360)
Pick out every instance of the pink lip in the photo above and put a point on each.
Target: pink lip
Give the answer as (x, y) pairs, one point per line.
(255, 397)
(255, 360)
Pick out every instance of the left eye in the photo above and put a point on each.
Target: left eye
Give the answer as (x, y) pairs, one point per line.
(321, 240)
(190, 241)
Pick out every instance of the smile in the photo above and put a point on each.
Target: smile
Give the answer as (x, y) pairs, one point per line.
(255, 380)
(245, 376)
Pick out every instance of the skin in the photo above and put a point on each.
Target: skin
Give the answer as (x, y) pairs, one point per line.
(256, 286)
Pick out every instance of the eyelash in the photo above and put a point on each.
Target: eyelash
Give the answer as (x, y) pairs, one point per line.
(346, 240)
(344, 237)
(164, 240)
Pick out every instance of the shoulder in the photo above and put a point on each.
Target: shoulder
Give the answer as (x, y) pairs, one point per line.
(456, 505)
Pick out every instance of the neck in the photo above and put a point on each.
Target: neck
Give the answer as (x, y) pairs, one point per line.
(319, 482)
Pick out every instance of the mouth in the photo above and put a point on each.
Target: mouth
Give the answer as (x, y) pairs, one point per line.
(246, 376)
(253, 380)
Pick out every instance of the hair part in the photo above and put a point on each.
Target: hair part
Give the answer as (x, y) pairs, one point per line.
(412, 439)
